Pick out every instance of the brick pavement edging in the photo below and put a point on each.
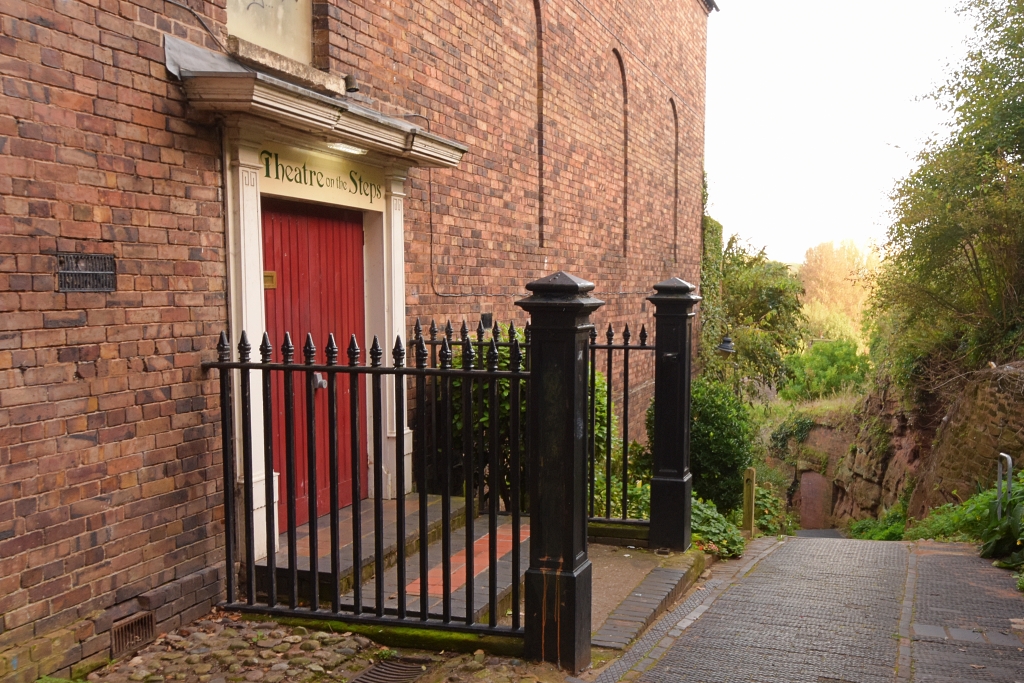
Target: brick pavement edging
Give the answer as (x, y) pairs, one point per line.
(649, 600)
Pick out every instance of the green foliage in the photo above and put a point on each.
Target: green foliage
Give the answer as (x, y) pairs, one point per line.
(712, 316)
(1020, 581)
(973, 520)
(827, 323)
(948, 297)
(888, 528)
(770, 515)
(480, 424)
(824, 369)
(713, 533)
(954, 522)
(797, 427)
(758, 305)
(1004, 538)
(721, 439)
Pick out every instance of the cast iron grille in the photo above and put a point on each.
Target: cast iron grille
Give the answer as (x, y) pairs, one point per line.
(132, 633)
(86, 273)
(392, 671)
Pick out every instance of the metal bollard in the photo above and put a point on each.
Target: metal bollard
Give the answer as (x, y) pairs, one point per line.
(999, 483)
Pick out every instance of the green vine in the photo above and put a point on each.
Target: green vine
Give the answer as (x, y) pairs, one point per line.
(796, 428)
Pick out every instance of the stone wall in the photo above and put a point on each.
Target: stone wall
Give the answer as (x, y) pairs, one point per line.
(896, 448)
(987, 418)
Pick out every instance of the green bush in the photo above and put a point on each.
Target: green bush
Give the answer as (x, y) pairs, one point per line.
(721, 439)
(770, 515)
(713, 533)
(973, 520)
(824, 369)
(480, 425)
(889, 527)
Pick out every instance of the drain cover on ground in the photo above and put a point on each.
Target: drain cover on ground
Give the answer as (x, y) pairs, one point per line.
(392, 671)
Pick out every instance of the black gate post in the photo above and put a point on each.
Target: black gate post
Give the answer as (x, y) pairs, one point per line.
(558, 582)
(672, 483)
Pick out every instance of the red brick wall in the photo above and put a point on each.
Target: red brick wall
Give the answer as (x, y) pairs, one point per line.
(109, 460)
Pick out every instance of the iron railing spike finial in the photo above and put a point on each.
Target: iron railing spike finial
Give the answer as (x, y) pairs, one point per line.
(266, 348)
(449, 331)
(417, 330)
(433, 330)
(626, 335)
(468, 354)
(610, 334)
(421, 353)
(496, 331)
(515, 356)
(492, 356)
(309, 349)
(643, 335)
(353, 351)
(223, 348)
(464, 331)
(480, 331)
(331, 350)
(287, 348)
(446, 354)
(398, 353)
(528, 332)
(244, 348)
(593, 335)
(511, 330)
(376, 353)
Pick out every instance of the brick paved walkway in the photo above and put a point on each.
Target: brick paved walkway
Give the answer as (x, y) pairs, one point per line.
(822, 610)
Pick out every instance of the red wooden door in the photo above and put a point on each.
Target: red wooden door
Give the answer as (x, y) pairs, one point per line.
(316, 255)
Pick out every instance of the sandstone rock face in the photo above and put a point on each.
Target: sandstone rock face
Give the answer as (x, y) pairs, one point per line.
(881, 460)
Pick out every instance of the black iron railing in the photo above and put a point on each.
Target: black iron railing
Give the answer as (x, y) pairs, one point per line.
(476, 448)
(472, 354)
(604, 438)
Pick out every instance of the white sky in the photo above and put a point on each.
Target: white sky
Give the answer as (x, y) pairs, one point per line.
(815, 109)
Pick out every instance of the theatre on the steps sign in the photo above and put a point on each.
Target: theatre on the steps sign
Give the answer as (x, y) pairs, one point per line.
(302, 174)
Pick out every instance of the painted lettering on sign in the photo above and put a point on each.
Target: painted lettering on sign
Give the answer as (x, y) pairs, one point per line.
(314, 176)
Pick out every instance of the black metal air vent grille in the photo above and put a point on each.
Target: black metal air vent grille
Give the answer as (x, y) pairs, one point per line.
(86, 273)
(392, 671)
(132, 633)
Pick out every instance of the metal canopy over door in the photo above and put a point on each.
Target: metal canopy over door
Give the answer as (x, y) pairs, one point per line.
(313, 260)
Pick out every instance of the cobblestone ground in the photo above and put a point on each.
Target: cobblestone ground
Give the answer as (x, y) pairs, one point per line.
(223, 648)
(815, 610)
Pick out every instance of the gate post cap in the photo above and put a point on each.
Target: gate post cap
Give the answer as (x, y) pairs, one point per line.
(675, 289)
(561, 283)
(560, 289)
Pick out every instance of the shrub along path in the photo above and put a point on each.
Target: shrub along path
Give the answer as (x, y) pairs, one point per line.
(837, 610)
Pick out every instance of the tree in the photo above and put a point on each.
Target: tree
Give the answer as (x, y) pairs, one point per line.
(948, 294)
(836, 289)
(760, 309)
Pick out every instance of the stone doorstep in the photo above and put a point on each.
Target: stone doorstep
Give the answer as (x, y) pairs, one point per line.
(645, 603)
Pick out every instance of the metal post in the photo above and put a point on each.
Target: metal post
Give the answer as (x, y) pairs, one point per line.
(558, 582)
(672, 483)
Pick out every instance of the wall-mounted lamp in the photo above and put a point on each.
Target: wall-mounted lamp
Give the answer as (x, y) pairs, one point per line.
(351, 85)
(726, 348)
(348, 149)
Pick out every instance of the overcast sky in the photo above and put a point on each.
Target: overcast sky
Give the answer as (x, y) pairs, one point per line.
(816, 109)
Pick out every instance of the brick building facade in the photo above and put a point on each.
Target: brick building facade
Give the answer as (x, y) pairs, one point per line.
(489, 143)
